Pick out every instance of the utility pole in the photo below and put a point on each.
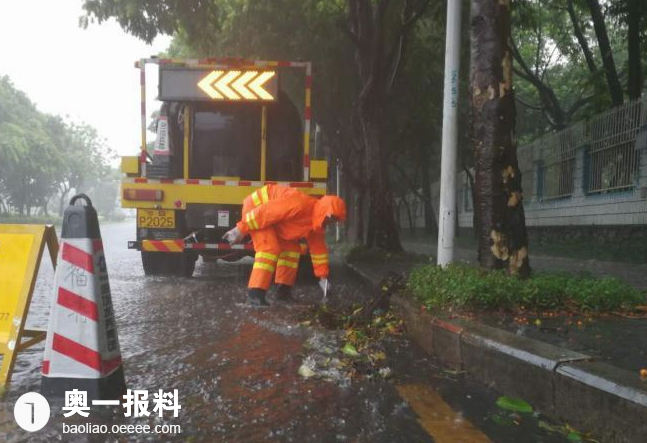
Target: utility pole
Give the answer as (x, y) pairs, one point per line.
(447, 209)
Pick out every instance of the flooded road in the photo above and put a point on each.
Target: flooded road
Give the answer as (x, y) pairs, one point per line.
(236, 368)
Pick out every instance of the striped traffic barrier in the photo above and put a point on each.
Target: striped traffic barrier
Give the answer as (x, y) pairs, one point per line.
(82, 347)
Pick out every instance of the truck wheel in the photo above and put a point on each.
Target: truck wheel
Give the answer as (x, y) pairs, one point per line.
(187, 264)
(182, 264)
(153, 263)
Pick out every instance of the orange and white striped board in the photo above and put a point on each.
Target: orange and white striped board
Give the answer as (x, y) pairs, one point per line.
(162, 245)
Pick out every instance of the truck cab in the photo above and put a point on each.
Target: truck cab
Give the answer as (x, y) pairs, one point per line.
(224, 129)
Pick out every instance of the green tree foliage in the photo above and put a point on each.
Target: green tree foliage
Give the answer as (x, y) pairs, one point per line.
(560, 74)
(575, 58)
(42, 156)
(361, 52)
(104, 190)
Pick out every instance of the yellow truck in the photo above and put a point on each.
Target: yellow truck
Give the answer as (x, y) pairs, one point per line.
(225, 128)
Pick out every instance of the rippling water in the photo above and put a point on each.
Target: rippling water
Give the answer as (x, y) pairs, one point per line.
(236, 367)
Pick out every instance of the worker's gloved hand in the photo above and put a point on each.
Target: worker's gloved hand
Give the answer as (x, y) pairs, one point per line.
(233, 236)
(325, 286)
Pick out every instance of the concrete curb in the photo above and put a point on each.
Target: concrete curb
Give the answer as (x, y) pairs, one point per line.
(566, 385)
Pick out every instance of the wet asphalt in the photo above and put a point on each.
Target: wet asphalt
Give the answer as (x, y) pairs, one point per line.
(236, 368)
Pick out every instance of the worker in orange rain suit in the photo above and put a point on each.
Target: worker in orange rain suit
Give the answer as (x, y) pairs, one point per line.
(277, 217)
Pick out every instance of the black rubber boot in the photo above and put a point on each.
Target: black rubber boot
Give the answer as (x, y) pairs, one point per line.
(256, 297)
(284, 293)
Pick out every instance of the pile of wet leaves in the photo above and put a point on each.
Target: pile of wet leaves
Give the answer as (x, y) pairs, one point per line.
(348, 343)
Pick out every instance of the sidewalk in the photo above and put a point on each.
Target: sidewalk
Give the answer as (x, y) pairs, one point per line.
(634, 274)
(598, 337)
(583, 372)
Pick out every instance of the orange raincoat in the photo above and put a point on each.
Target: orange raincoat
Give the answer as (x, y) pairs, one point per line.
(277, 217)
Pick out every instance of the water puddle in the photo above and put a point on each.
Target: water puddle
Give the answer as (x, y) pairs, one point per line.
(237, 369)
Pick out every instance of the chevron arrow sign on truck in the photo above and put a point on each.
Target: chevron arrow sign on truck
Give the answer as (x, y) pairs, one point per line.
(237, 85)
(218, 85)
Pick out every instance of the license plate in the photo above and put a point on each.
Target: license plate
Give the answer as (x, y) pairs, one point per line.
(152, 218)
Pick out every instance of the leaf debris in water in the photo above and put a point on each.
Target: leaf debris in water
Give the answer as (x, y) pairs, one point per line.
(306, 372)
(350, 350)
(514, 405)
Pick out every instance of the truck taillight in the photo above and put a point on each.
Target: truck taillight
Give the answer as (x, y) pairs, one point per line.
(144, 194)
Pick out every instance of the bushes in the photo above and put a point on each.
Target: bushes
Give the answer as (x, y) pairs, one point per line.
(465, 288)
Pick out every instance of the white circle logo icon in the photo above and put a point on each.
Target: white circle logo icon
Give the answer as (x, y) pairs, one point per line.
(31, 411)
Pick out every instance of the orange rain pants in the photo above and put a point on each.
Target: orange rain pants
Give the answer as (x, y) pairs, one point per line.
(273, 255)
(277, 218)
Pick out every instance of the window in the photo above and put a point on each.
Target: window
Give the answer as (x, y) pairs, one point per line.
(226, 141)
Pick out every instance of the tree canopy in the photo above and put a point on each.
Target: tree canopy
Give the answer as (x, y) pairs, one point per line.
(366, 99)
(42, 156)
(575, 58)
(378, 74)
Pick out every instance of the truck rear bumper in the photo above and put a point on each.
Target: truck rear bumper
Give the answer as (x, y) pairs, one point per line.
(177, 193)
(181, 245)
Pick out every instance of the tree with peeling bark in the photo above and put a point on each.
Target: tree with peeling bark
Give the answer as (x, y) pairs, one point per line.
(503, 239)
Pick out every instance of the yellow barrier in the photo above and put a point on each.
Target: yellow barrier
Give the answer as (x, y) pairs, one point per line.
(21, 249)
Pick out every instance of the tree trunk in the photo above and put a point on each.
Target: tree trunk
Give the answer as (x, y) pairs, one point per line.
(615, 89)
(475, 213)
(407, 207)
(552, 108)
(62, 200)
(503, 240)
(633, 40)
(383, 230)
(431, 226)
(361, 216)
(347, 195)
(581, 39)
(368, 29)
